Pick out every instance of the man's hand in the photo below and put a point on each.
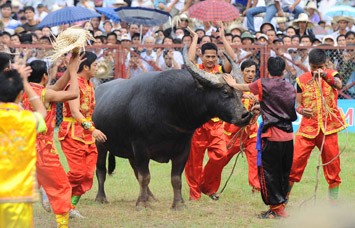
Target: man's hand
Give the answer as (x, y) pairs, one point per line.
(192, 32)
(319, 73)
(255, 109)
(307, 112)
(99, 136)
(75, 62)
(24, 71)
(229, 80)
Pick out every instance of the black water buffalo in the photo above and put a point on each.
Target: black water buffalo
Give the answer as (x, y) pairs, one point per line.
(154, 117)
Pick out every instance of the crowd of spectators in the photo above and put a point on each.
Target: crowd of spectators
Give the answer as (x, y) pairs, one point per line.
(293, 23)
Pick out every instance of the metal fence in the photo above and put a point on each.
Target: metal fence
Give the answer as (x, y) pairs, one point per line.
(115, 60)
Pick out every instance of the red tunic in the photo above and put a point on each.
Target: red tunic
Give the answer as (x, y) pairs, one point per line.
(50, 173)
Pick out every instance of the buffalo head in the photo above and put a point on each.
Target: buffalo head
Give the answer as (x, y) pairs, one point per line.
(225, 101)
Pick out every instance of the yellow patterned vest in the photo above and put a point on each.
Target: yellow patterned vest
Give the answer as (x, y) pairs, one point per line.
(326, 115)
(70, 126)
(17, 154)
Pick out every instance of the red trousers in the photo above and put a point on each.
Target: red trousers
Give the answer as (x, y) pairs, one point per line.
(251, 154)
(206, 179)
(302, 150)
(52, 177)
(82, 163)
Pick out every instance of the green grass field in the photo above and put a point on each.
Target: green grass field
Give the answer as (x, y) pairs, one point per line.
(237, 207)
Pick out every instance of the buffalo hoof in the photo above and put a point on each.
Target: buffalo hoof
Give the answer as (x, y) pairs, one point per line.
(140, 205)
(101, 199)
(178, 205)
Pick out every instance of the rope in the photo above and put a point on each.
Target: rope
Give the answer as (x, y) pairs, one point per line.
(240, 133)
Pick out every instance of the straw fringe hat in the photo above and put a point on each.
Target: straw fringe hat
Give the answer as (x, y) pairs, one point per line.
(72, 39)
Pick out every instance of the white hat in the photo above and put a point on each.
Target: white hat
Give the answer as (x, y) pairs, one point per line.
(119, 2)
(281, 19)
(304, 18)
(311, 5)
(262, 35)
(238, 26)
(336, 19)
(329, 37)
(184, 17)
(125, 37)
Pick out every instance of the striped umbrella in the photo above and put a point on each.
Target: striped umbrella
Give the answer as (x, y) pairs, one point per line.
(213, 11)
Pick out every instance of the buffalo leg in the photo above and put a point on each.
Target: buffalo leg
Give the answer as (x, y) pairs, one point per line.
(101, 173)
(177, 167)
(151, 197)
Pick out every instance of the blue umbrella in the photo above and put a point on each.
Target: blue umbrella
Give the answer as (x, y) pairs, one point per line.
(68, 15)
(142, 16)
(109, 13)
(340, 10)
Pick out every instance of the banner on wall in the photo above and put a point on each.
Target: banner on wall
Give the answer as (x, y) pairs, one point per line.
(346, 106)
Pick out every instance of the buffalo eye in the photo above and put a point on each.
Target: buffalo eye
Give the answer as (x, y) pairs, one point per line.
(226, 93)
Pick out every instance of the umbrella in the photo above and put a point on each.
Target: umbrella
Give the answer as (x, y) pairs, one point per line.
(109, 13)
(340, 10)
(142, 16)
(213, 11)
(68, 15)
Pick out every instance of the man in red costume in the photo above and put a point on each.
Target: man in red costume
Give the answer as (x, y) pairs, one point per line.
(50, 172)
(316, 101)
(77, 133)
(209, 136)
(237, 138)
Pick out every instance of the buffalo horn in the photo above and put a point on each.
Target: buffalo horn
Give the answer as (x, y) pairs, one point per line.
(202, 76)
(236, 72)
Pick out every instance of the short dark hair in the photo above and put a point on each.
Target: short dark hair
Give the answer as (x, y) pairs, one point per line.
(295, 36)
(306, 37)
(317, 56)
(111, 34)
(291, 27)
(247, 63)
(90, 58)
(186, 36)
(5, 59)
(276, 66)
(10, 85)
(4, 33)
(6, 5)
(208, 46)
(26, 38)
(134, 35)
(340, 36)
(39, 68)
(28, 8)
(349, 33)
